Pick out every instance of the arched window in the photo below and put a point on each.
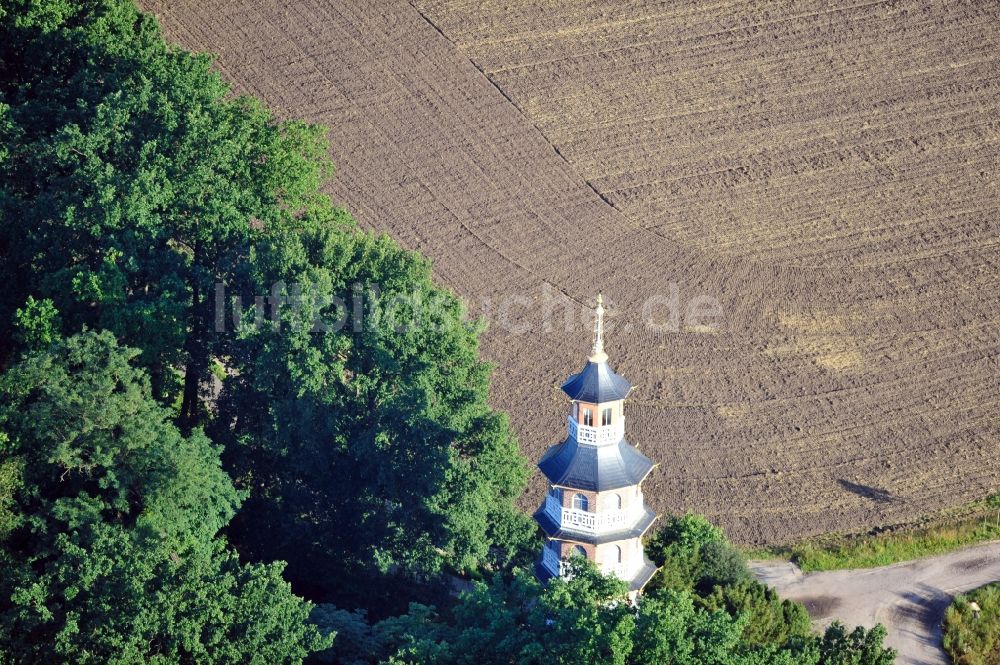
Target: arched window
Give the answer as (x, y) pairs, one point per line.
(578, 550)
(588, 417)
(580, 502)
(613, 502)
(616, 554)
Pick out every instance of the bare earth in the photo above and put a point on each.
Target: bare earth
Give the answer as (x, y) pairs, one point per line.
(909, 599)
(828, 172)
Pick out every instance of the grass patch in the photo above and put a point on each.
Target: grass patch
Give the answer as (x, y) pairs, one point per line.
(949, 530)
(971, 639)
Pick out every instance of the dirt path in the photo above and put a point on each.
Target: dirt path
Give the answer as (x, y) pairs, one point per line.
(909, 599)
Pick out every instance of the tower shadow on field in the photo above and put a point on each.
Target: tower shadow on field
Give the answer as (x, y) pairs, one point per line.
(866, 491)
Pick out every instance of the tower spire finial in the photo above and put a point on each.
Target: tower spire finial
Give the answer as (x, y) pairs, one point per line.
(598, 355)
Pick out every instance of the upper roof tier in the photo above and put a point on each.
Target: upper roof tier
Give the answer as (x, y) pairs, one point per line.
(596, 383)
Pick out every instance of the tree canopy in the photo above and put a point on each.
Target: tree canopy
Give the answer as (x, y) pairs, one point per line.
(139, 197)
(587, 619)
(109, 548)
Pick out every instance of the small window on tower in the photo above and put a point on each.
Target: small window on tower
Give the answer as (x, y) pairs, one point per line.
(588, 417)
(580, 502)
(606, 417)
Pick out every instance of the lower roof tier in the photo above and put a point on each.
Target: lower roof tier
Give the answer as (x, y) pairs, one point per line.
(595, 468)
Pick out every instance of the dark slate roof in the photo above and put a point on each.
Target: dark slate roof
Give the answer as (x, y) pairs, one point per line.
(541, 572)
(552, 530)
(595, 468)
(596, 383)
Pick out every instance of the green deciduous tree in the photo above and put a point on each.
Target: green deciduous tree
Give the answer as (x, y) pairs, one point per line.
(356, 642)
(698, 562)
(37, 323)
(671, 630)
(692, 553)
(369, 449)
(587, 619)
(769, 619)
(133, 185)
(108, 551)
(857, 647)
(590, 620)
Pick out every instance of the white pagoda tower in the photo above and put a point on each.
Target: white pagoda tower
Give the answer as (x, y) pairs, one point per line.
(594, 507)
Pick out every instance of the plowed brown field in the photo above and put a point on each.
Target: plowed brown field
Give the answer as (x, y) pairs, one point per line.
(827, 172)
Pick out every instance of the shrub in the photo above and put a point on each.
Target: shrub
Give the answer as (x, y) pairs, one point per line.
(721, 564)
(770, 620)
(693, 554)
(972, 640)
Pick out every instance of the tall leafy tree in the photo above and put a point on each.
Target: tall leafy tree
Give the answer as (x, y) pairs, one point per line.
(856, 647)
(770, 620)
(693, 554)
(371, 448)
(132, 187)
(108, 545)
(580, 620)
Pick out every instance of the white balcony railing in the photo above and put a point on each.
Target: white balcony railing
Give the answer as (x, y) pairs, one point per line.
(597, 436)
(614, 569)
(619, 569)
(600, 522)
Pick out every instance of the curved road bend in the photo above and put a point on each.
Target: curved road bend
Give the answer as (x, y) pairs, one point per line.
(908, 598)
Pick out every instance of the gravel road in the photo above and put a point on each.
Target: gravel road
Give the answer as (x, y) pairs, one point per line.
(909, 599)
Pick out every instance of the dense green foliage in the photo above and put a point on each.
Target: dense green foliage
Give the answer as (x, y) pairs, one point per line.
(839, 646)
(133, 188)
(587, 619)
(582, 620)
(131, 185)
(693, 554)
(695, 557)
(369, 450)
(972, 638)
(770, 620)
(109, 550)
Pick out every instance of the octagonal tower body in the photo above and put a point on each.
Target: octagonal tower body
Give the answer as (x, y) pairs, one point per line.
(595, 506)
